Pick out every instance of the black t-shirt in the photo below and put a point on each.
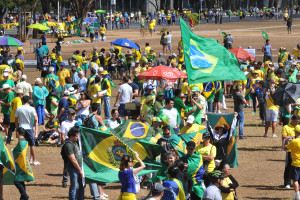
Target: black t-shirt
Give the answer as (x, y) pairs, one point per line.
(238, 102)
(134, 87)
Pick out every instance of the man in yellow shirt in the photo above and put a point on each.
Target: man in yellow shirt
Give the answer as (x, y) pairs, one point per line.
(294, 147)
(16, 102)
(296, 51)
(105, 85)
(63, 74)
(271, 109)
(95, 93)
(102, 30)
(147, 48)
(288, 133)
(151, 28)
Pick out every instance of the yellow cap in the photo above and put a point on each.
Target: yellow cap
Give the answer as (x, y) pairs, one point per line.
(255, 72)
(297, 128)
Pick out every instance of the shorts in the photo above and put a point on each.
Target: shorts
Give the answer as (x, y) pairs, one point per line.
(295, 173)
(6, 120)
(121, 110)
(142, 26)
(92, 35)
(219, 96)
(151, 30)
(271, 115)
(169, 46)
(85, 66)
(248, 96)
(173, 20)
(29, 137)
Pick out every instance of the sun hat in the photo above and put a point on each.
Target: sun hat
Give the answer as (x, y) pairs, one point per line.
(5, 86)
(24, 77)
(190, 119)
(66, 93)
(72, 90)
(5, 74)
(38, 81)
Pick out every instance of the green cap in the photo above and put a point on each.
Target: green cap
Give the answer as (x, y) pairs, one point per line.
(195, 89)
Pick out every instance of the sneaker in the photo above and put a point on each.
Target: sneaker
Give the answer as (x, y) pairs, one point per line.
(296, 198)
(265, 135)
(58, 145)
(36, 163)
(287, 186)
(274, 136)
(242, 137)
(247, 106)
(64, 184)
(105, 195)
(103, 198)
(253, 112)
(219, 111)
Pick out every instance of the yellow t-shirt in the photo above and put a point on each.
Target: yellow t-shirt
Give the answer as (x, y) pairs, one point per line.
(102, 30)
(94, 90)
(16, 102)
(227, 196)
(296, 52)
(294, 146)
(120, 49)
(184, 88)
(92, 53)
(62, 74)
(53, 56)
(147, 49)
(59, 60)
(137, 55)
(79, 59)
(270, 104)
(288, 130)
(255, 81)
(151, 26)
(206, 151)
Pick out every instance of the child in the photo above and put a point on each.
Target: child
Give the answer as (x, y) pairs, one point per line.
(261, 101)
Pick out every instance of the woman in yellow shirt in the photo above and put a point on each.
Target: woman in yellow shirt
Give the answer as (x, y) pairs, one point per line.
(228, 185)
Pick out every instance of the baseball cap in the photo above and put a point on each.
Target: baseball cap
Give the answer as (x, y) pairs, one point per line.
(149, 87)
(95, 48)
(66, 93)
(104, 72)
(62, 64)
(23, 76)
(205, 135)
(195, 89)
(5, 74)
(158, 187)
(190, 119)
(6, 86)
(255, 72)
(72, 90)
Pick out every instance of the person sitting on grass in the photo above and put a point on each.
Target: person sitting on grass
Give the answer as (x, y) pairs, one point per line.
(49, 130)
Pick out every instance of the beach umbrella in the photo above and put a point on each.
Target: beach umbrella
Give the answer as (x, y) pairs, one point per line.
(100, 11)
(125, 43)
(242, 54)
(286, 94)
(38, 26)
(10, 41)
(162, 72)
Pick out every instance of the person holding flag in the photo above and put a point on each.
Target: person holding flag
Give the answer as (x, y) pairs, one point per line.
(267, 50)
(174, 188)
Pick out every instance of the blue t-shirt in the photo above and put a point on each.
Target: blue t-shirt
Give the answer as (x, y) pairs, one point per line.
(134, 87)
(63, 103)
(127, 181)
(267, 48)
(44, 40)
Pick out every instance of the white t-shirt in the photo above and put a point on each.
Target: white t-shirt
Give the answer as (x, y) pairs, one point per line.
(112, 124)
(212, 192)
(66, 126)
(172, 115)
(169, 38)
(25, 87)
(126, 91)
(25, 115)
(84, 111)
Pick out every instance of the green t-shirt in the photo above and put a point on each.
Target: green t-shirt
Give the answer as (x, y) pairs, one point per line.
(285, 112)
(92, 29)
(196, 114)
(292, 79)
(7, 98)
(9, 82)
(70, 148)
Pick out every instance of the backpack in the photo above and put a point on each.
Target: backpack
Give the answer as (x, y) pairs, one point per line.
(63, 155)
(88, 122)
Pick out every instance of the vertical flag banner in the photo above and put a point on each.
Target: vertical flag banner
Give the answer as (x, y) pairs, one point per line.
(227, 119)
(195, 171)
(102, 153)
(206, 60)
(8, 164)
(265, 35)
(23, 168)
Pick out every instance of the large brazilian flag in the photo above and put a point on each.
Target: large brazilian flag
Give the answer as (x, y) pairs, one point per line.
(23, 168)
(227, 119)
(206, 60)
(102, 153)
(195, 136)
(195, 171)
(8, 165)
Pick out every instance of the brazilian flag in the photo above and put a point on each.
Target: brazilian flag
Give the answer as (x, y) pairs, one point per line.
(206, 60)
(196, 136)
(265, 35)
(102, 153)
(8, 164)
(224, 35)
(23, 168)
(227, 119)
(195, 171)
(52, 83)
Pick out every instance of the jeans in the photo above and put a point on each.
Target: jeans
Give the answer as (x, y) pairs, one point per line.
(94, 190)
(65, 174)
(99, 110)
(106, 102)
(102, 37)
(11, 129)
(209, 107)
(81, 118)
(44, 135)
(287, 169)
(22, 190)
(241, 119)
(76, 186)
(40, 114)
(253, 96)
(262, 111)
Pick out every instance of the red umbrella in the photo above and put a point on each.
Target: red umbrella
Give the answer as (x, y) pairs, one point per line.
(162, 72)
(242, 54)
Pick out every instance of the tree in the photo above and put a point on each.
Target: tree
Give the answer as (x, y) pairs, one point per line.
(4, 5)
(155, 4)
(81, 7)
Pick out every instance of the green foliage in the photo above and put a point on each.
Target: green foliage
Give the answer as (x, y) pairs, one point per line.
(194, 16)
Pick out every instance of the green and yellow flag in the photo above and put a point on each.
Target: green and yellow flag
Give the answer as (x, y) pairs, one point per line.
(196, 136)
(206, 60)
(102, 153)
(23, 168)
(265, 35)
(196, 171)
(8, 164)
(224, 35)
(227, 119)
